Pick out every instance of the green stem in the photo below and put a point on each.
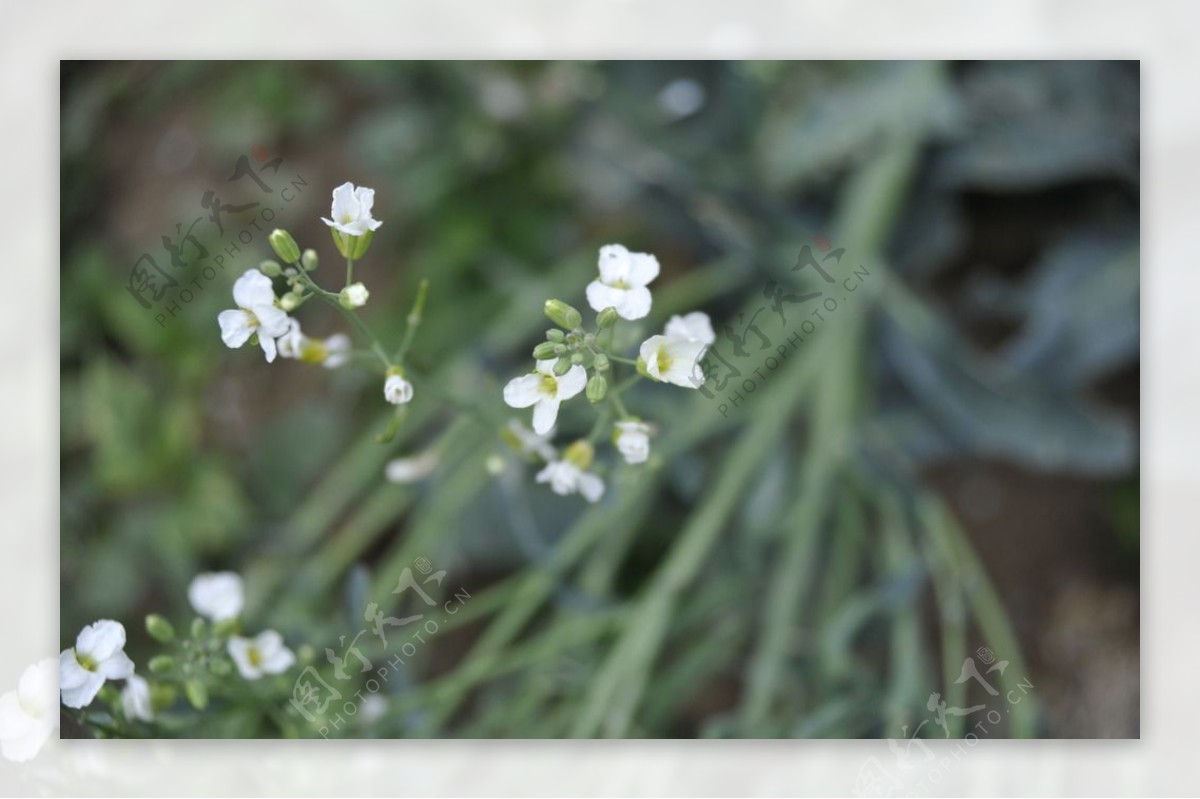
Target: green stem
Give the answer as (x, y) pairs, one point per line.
(414, 320)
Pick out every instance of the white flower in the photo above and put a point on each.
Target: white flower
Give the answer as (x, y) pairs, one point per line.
(354, 296)
(29, 714)
(397, 390)
(217, 596)
(566, 478)
(673, 359)
(98, 655)
(256, 313)
(624, 276)
(544, 390)
(373, 708)
(263, 654)
(633, 440)
(696, 326)
(410, 470)
(351, 210)
(135, 699)
(330, 353)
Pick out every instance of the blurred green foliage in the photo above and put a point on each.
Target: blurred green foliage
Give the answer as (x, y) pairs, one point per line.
(780, 570)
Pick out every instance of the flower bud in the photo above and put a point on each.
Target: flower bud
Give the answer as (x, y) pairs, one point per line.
(270, 268)
(159, 628)
(354, 296)
(563, 315)
(577, 357)
(600, 362)
(597, 387)
(546, 350)
(562, 366)
(289, 302)
(198, 628)
(284, 246)
(309, 260)
(220, 668)
(196, 693)
(162, 696)
(607, 317)
(555, 335)
(161, 663)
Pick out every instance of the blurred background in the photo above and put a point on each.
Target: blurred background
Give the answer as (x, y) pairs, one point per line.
(945, 469)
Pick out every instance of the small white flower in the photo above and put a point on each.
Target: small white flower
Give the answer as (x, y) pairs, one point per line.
(544, 390)
(98, 655)
(263, 654)
(673, 359)
(217, 596)
(397, 390)
(624, 276)
(566, 478)
(135, 699)
(410, 470)
(696, 326)
(330, 353)
(256, 313)
(373, 708)
(354, 296)
(351, 210)
(29, 714)
(633, 440)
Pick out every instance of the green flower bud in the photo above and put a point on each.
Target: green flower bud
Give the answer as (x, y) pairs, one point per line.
(607, 317)
(159, 628)
(563, 315)
(198, 627)
(555, 335)
(289, 302)
(284, 246)
(579, 453)
(270, 268)
(562, 366)
(162, 696)
(309, 260)
(161, 663)
(577, 357)
(196, 693)
(597, 387)
(546, 350)
(227, 627)
(220, 668)
(600, 362)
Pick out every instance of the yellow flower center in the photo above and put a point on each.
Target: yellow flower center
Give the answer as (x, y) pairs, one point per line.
(549, 385)
(85, 661)
(313, 352)
(664, 359)
(254, 656)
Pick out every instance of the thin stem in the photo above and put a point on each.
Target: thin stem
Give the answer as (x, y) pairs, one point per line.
(414, 319)
(349, 271)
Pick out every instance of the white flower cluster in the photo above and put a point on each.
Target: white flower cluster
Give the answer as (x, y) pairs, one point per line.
(263, 318)
(219, 597)
(575, 360)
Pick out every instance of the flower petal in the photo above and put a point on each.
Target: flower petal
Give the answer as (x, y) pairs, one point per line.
(685, 368)
(545, 413)
(345, 204)
(635, 304)
(614, 264)
(696, 326)
(570, 384)
(239, 650)
(217, 596)
(601, 296)
(116, 667)
(523, 391)
(648, 352)
(273, 322)
(236, 327)
(643, 268)
(591, 486)
(268, 347)
(38, 689)
(366, 199)
(253, 288)
(101, 640)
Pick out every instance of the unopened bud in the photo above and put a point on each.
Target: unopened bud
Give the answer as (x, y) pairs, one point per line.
(197, 694)
(555, 335)
(284, 246)
(597, 387)
(309, 260)
(607, 317)
(601, 362)
(159, 628)
(354, 296)
(198, 627)
(270, 268)
(289, 302)
(546, 350)
(562, 366)
(563, 315)
(161, 663)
